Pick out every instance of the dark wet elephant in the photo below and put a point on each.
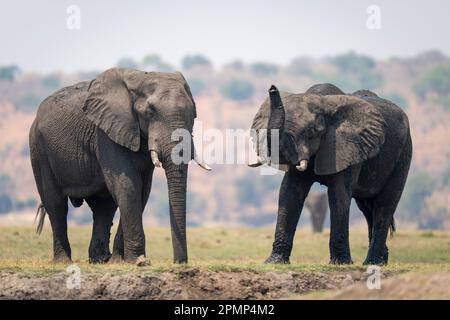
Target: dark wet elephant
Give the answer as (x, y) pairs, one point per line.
(99, 142)
(358, 145)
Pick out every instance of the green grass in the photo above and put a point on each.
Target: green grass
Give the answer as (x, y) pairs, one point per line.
(225, 249)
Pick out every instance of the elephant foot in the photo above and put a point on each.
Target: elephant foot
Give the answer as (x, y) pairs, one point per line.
(341, 260)
(102, 258)
(182, 261)
(376, 260)
(141, 261)
(138, 260)
(116, 258)
(99, 252)
(276, 258)
(62, 258)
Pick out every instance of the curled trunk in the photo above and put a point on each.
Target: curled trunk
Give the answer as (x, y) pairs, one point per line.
(277, 116)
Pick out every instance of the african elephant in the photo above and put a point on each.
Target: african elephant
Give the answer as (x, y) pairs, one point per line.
(358, 145)
(94, 140)
(317, 205)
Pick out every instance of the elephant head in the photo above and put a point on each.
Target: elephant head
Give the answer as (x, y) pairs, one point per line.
(337, 130)
(140, 111)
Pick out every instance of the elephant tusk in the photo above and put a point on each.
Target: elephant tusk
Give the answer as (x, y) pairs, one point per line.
(198, 161)
(302, 166)
(259, 162)
(202, 164)
(255, 164)
(155, 159)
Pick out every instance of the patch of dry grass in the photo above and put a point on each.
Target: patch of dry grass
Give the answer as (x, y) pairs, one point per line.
(224, 249)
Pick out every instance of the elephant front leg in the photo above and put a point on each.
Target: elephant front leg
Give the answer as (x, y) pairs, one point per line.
(118, 254)
(127, 190)
(133, 231)
(339, 197)
(293, 192)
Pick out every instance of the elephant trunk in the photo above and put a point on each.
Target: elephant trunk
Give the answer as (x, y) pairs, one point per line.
(161, 146)
(277, 116)
(276, 122)
(176, 182)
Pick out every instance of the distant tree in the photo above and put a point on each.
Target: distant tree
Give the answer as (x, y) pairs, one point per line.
(127, 62)
(264, 69)
(445, 177)
(238, 89)
(436, 80)
(161, 208)
(252, 185)
(434, 218)
(24, 204)
(418, 187)
(300, 66)
(5, 183)
(354, 72)
(8, 73)
(396, 98)
(6, 204)
(353, 62)
(196, 202)
(191, 61)
(236, 65)
(51, 82)
(369, 80)
(27, 102)
(154, 62)
(25, 152)
(197, 85)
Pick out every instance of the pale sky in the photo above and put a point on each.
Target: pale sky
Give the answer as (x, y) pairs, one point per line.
(34, 35)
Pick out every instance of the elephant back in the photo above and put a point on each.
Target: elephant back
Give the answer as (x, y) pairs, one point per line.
(71, 96)
(324, 89)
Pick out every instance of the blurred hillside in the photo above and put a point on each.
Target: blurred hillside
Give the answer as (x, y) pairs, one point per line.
(229, 98)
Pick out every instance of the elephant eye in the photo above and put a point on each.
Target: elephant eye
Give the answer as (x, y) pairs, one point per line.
(310, 132)
(151, 108)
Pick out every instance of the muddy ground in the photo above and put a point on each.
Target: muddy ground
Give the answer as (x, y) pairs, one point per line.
(191, 283)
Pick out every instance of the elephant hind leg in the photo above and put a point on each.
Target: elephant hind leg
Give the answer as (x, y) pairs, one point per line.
(55, 204)
(384, 206)
(103, 210)
(57, 213)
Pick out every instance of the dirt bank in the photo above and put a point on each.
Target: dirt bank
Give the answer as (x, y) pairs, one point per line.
(191, 283)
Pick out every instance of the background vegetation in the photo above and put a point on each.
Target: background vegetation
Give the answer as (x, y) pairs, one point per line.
(228, 97)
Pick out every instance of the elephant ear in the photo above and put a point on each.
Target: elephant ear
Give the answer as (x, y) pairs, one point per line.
(109, 106)
(355, 133)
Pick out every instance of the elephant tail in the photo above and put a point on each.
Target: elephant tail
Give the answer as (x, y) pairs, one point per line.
(40, 218)
(392, 228)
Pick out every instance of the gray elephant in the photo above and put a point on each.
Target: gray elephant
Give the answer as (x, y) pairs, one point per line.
(358, 145)
(100, 141)
(317, 205)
